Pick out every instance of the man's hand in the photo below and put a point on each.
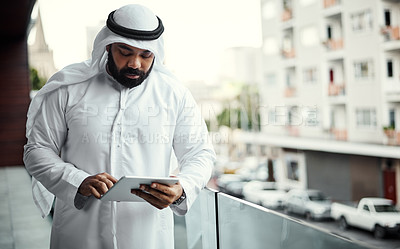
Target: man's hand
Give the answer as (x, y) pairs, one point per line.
(159, 195)
(96, 185)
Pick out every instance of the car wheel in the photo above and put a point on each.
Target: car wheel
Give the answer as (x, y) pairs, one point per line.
(308, 216)
(379, 232)
(343, 223)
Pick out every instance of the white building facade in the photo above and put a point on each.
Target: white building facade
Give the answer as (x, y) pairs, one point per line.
(331, 89)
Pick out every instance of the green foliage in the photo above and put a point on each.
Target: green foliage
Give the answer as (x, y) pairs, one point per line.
(242, 112)
(389, 127)
(36, 81)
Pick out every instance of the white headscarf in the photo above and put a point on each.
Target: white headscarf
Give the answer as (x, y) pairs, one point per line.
(130, 16)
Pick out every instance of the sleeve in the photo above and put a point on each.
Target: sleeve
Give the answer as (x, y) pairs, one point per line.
(41, 153)
(194, 152)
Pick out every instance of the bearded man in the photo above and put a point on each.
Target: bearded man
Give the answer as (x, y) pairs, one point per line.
(119, 113)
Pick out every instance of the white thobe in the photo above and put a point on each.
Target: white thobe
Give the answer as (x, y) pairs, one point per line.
(99, 126)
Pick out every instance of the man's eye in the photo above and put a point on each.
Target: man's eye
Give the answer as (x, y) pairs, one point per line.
(124, 53)
(147, 55)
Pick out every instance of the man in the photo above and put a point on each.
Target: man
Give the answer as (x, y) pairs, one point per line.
(119, 113)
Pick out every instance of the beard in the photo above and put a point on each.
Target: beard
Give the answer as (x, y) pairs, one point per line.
(120, 75)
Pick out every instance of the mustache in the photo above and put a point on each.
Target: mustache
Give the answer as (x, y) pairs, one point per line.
(132, 71)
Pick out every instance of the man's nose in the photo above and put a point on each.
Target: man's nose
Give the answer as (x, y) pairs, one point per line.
(134, 62)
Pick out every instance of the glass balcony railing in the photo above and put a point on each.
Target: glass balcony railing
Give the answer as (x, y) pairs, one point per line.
(217, 220)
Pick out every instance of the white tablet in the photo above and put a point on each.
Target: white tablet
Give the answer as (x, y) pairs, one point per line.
(121, 190)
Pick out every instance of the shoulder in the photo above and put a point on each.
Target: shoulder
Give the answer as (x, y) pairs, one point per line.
(171, 86)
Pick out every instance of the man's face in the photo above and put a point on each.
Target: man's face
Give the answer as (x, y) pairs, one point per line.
(130, 66)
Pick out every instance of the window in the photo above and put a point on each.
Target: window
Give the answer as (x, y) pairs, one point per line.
(310, 75)
(290, 75)
(310, 115)
(389, 66)
(287, 42)
(294, 116)
(287, 4)
(363, 69)
(271, 117)
(332, 116)
(366, 208)
(288, 79)
(362, 21)
(331, 76)
(329, 32)
(392, 118)
(292, 170)
(387, 17)
(366, 118)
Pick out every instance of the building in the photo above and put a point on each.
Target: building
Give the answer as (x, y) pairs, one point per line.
(40, 56)
(330, 96)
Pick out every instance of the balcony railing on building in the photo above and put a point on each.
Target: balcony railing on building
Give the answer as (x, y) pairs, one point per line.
(293, 131)
(333, 44)
(336, 89)
(339, 134)
(287, 14)
(331, 3)
(288, 53)
(393, 136)
(391, 33)
(290, 91)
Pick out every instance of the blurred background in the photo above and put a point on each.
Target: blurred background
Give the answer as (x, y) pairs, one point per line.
(297, 94)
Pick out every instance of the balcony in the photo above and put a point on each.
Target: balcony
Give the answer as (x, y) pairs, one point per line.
(391, 33)
(333, 44)
(393, 137)
(290, 92)
(288, 53)
(335, 89)
(332, 8)
(218, 220)
(293, 131)
(287, 15)
(330, 3)
(339, 134)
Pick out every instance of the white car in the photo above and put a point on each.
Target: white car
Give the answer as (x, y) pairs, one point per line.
(311, 203)
(377, 215)
(264, 193)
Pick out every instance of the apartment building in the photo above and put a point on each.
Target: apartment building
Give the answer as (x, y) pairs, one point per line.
(330, 95)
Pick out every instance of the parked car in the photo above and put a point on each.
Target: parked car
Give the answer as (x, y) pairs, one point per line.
(264, 193)
(313, 204)
(231, 184)
(377, 215)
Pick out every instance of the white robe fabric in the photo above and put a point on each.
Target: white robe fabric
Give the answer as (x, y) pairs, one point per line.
(97, 125)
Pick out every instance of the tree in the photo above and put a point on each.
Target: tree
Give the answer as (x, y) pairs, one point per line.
(36, 81)
(242, 111)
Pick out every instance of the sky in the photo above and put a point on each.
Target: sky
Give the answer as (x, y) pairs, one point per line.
(196, 32)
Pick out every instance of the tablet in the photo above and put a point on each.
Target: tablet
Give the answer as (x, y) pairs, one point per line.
(121, 190)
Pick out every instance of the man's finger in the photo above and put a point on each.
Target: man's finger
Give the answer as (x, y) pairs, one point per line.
(94, 192)
(154, 192)
(109, 183)
(150, 199)
(110, 177)
(101, 187)
(162, 188)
